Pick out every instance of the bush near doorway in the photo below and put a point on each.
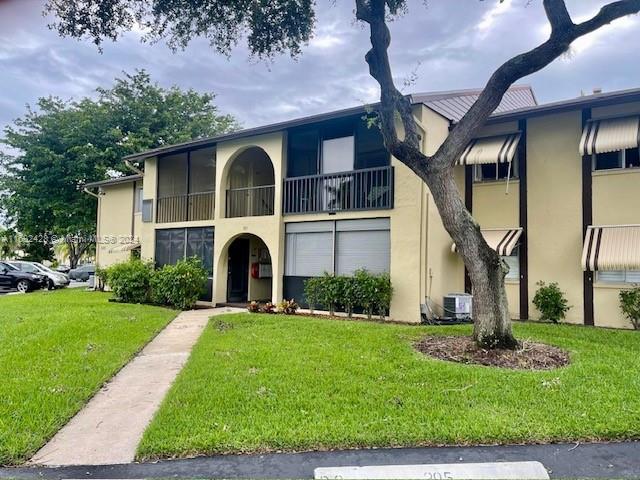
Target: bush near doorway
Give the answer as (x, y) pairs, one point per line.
(177, 286)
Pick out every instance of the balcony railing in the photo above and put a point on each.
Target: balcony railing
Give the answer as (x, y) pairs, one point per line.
(250, 201)
(366, 189)
(186, 208)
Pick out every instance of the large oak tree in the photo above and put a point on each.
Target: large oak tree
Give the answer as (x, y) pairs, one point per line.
(275, 26)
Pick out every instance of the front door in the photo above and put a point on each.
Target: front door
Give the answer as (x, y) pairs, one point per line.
(238, 277)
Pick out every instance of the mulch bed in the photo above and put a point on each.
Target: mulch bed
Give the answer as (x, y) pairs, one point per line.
(462, 349)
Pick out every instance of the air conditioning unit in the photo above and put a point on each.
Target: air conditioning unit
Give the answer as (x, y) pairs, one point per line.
(458, 305)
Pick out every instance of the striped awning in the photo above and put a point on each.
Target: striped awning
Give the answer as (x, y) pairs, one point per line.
(127, 247)
(611, 247)
(501, 240)
(610, 135)
(499, 149)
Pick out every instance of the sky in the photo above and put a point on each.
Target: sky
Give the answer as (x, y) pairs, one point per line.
(437, 45)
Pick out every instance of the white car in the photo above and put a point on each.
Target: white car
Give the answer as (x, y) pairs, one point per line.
(55, 279)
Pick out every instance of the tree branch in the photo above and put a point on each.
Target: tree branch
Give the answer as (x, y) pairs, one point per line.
(563, 33)
(392, 101)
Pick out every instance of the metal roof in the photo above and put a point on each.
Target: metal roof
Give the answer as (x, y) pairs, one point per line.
(595, 100)
(114, 181)
(454, 104)
(518, 102)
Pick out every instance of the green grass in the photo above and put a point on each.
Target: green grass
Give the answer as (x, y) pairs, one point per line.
(265, 383)
(56, 350)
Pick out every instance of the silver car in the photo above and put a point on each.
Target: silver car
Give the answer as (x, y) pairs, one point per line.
(54, 279)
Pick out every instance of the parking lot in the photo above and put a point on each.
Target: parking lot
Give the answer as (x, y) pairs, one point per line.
(73, 284)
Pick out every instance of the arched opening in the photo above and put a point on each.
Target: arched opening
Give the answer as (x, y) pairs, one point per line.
(250, 186)
(249, 270)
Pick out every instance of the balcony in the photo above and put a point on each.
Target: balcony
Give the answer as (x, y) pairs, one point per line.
(186, 208)
(366, 189)
(250, 201)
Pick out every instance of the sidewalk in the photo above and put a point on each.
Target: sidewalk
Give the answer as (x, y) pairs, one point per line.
(597, 460)
(108, 429)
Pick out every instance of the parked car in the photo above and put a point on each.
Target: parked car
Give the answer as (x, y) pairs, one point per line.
(63, 269)
(82, 273)
(12, 278)
(54, 279)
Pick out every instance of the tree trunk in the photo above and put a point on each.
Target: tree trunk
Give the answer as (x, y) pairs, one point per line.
(492, 322)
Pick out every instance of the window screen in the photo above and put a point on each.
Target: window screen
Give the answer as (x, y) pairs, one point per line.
(170, 246)
(202, 175)
(137, 201)
(362, 244)
(147, 210)
(609, 160)
(632, 158)
(513, 261)
(172, 175)
(303, 153)
(200, 245)
(619, 276)
(370, 150)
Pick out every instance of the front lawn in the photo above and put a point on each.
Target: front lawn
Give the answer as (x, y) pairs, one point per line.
(271, 382)
(56, 350)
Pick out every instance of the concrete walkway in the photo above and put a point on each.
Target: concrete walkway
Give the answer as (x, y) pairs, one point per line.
(108, 429)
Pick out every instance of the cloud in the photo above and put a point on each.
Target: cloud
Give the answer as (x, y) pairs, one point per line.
(442, 46)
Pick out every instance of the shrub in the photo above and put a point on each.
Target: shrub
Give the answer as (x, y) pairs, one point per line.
(367, 286)
(253, 307)
(551, 302)
(179, 285)
(312, 292)
(384, 293)
(288, 307)
(268, 308)
(349, 293)
(330, 292)
(129, 281)
(370, 292)
(630, 305)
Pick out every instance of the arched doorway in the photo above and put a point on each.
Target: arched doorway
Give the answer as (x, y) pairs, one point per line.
(250, 185)
(249, 270)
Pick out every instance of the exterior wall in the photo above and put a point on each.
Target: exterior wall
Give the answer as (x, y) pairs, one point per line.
(616, 201)
(444, 270)
(115, 222)
(147, 230)
(270, 229)
(422, 264)
(554, 170)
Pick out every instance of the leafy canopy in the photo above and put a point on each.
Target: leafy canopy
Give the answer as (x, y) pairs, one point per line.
(271, 26)
(62, 145)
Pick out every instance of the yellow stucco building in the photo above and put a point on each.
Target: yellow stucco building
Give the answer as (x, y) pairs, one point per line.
(555, 189)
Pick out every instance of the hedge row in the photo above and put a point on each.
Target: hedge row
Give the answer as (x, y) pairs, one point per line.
(177, 286)
(364, 290)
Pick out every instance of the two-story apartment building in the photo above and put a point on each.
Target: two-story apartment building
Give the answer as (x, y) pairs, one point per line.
(554, 187)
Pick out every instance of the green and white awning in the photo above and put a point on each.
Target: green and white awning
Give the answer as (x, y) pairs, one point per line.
(610, 135)
(498, 149)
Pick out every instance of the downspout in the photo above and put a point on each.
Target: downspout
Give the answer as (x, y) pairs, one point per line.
(89, 192)
(132, 167)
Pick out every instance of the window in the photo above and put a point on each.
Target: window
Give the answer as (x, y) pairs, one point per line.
(487, 172)
(338, 145)
(175, 244)
(513, 261)
(338, 154)
(172, 175)
(629, 158)
(303, 153)
(619, 276)
(340, 247)
(137, 200)
(202, 170)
